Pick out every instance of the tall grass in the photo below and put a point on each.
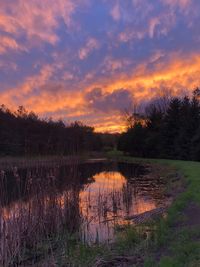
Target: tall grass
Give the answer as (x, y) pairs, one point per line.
(26, 222)
(40, 215)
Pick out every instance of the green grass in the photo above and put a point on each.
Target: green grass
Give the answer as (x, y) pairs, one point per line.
(181, 244)
(127, 240)
(84, 255)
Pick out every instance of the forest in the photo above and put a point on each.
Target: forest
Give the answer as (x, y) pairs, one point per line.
(23, 133)
(169, 128)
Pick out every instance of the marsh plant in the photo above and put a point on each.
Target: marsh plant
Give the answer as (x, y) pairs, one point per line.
(35, 211)
(46, 209)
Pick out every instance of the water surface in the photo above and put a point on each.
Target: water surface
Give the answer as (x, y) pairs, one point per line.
(89, 198)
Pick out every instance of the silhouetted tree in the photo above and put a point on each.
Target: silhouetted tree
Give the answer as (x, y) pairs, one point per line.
(24, 133)
(133, 141)
(153, 128)
(169, 132)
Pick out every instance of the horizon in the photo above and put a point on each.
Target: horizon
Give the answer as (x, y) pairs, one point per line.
(85, 60)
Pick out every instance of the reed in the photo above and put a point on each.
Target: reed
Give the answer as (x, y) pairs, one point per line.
(45, 210)
(44, 215)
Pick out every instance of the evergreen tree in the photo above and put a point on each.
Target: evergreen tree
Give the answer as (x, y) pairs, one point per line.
(170, 129)
(195, 128)
(173, 132)
(153, 129)
(183, 139)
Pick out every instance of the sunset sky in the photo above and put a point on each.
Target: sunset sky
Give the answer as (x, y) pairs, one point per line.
(88, 60)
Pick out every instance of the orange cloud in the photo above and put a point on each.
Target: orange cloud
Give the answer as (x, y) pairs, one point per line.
(144, 84)
(111, 123)
(177, 74)
(136, 55)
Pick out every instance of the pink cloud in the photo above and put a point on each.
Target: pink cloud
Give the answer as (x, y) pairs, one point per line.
(111, 65)
(152, 26)
(9, 43)
(37, 19)
(181, 3)
(91, 45)
(131, 35)
(115, 12)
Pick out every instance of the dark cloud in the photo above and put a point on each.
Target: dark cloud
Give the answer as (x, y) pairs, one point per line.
(118, 100)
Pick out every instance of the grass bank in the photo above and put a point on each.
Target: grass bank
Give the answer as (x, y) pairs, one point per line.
(178, 242)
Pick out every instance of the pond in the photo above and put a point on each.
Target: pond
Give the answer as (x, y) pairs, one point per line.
(90, 198)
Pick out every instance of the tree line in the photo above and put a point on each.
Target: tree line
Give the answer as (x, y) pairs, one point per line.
(167, 129)
(24, 133)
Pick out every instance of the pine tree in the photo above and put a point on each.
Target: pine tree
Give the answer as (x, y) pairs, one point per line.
(153, 127)
(170, 130)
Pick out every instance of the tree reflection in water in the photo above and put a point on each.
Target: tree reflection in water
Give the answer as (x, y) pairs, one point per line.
(88, 199)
